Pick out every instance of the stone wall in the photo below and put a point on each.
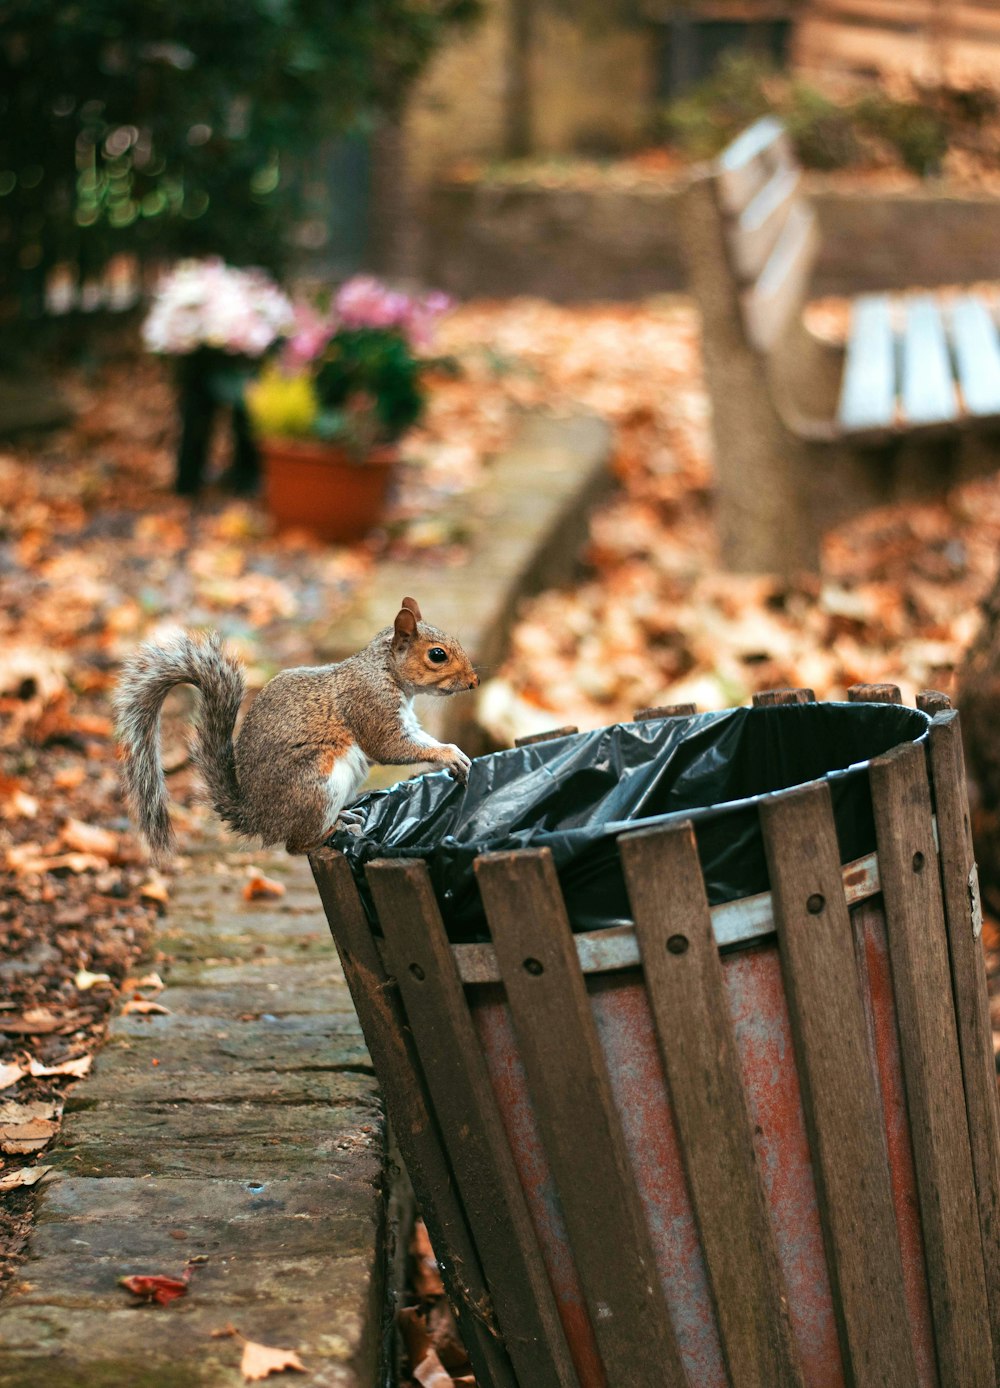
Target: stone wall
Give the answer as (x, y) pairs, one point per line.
(578, 244)
(590, 87)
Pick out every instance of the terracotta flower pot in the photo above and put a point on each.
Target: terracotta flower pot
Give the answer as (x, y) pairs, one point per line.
(317, 486)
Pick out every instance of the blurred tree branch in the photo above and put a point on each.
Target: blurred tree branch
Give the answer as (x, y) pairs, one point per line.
(176, 126)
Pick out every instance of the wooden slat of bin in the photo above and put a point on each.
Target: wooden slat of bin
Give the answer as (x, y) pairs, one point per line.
(466, 1111)
(932, 701)
(684, 978)
(643, 715)
(376, 1001)
(775, 698)
(530, 739)
(842, 1110)
(874, 694)
(580, 1129)
(918, 953)
(968, 975)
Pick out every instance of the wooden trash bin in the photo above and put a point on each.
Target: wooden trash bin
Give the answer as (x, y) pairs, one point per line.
(749, 1143)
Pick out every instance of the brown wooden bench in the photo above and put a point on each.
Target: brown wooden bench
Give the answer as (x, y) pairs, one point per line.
(807, 433)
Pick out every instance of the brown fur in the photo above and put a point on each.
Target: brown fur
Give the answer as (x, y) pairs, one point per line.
(308, 736)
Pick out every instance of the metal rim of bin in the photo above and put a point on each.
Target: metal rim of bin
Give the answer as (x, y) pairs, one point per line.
(958, 1337)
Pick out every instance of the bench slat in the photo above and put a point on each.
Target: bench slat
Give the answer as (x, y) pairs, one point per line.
(745, 165)
(928, 391)
(977, 354)
(770, 304)
(868, 390)
(760, 223)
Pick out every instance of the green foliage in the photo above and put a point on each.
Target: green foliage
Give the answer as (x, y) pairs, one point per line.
(918, 134)
(827, 134)
(823, 132)
(703, 121)
(180, 126)
(370, 364)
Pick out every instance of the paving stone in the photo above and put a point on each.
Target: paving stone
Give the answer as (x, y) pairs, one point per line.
(123, 1085)
(230, 1051)
(227, 1279)
(256, 998)
(227, 1027)
(218, 1140)
(172, 1347)
(314, 978)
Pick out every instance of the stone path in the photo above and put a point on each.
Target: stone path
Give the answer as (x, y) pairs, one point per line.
(244, 1128)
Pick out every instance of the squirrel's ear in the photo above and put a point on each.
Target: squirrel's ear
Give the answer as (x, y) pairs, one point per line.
(404, 628)
(411, 605)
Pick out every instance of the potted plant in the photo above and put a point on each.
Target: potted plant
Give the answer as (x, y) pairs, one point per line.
(217, 322)
(330, 408)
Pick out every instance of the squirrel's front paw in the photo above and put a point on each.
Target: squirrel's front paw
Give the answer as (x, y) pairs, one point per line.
(458, 764)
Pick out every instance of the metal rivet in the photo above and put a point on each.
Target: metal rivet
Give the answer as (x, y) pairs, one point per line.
(534, 966)
(677, 944)
(815, 903)
(918, 862)
(417, 972)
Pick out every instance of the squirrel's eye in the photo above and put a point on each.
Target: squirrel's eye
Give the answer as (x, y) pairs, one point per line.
(437, 656)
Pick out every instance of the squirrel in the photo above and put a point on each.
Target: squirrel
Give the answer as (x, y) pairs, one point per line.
(305, 745)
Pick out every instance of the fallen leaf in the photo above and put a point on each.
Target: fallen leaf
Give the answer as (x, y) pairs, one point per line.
(154, 890)
(10, 1074)
(36, 1022)
(28, 859)
(261, 1360)
(89, 838)
(30, 1136)
(153, 981)
(78, 1066)
(69, 777)
(26, 1176)
(84, 979)
(413, 1327)
(18, 804)
(426, 1277)
(143, 1007)
(259, 885)
(431, 1373)
(156, 1287)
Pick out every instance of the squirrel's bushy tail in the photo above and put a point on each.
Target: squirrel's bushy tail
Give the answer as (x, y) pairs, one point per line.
(146, 680)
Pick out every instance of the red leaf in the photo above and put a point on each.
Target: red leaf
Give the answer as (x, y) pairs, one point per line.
(156, 1287)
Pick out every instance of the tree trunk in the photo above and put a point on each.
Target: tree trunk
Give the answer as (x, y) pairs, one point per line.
(518, 123)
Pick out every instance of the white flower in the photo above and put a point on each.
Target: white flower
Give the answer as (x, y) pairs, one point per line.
(205, 303)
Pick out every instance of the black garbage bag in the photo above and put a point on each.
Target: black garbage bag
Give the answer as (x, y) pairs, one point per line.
(574, 795)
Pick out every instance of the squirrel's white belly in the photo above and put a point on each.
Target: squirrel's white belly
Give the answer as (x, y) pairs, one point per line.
(346, 778)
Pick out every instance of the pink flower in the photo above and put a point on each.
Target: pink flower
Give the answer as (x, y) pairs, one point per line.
(364, 302)
(310, 334)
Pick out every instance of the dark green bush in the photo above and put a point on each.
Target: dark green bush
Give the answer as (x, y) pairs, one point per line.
(702, 122)
(823, 132)
(827, 134)
(917, 133)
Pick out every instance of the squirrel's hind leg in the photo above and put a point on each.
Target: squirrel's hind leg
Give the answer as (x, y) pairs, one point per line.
(341, 776)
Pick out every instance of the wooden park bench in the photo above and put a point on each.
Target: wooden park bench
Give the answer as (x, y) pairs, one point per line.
(808, 433)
